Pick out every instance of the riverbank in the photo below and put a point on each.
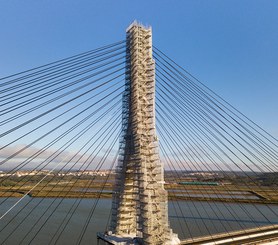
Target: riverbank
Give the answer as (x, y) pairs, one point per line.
(231, 194)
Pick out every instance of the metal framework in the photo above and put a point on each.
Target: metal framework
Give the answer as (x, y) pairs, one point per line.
(140, 203)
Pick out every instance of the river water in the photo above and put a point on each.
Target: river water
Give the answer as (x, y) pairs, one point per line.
(188, 219)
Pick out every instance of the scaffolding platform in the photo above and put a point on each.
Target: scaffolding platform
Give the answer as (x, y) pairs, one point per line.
(106, 238)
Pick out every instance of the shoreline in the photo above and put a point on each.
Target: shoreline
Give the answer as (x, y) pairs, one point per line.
(108, 195)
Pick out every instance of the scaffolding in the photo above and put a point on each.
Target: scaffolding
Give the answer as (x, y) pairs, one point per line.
(140, 202)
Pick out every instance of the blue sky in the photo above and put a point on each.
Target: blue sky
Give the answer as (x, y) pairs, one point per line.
(231, 46)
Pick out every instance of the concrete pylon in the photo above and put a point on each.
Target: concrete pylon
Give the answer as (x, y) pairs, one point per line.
(140, 202)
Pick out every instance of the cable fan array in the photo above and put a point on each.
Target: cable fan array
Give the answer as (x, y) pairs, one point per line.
(65, 117)
(199, 132)
(60, 118)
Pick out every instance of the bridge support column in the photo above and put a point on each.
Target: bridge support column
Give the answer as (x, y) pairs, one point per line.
(140, 206)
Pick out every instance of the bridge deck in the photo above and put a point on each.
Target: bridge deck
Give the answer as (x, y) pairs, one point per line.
(262, 235)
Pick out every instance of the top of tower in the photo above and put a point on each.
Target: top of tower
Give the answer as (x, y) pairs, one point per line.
(138, 24)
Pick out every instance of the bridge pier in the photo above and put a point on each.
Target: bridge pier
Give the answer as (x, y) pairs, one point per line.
(140, 202)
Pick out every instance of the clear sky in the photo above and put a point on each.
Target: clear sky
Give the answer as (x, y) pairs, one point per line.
(231, 46)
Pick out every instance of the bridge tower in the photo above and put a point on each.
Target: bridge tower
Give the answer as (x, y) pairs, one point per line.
(140, 203)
